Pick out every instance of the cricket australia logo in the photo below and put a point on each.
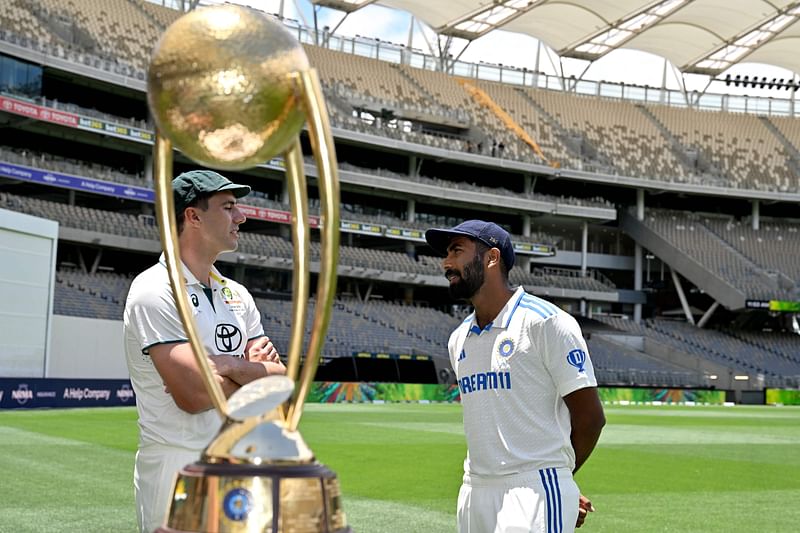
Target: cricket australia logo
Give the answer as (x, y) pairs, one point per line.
(505, 348)
(227, 337)
(577, 358)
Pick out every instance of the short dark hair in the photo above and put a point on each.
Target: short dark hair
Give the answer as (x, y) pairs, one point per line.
(200, 202)
(481, 248)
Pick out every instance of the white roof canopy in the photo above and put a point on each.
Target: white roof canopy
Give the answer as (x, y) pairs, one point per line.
(697, 36)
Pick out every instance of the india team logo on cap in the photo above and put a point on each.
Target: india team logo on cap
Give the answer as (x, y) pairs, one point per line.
(577, 358)
(506, 347)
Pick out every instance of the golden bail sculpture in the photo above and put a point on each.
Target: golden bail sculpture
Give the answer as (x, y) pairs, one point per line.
(231, 88)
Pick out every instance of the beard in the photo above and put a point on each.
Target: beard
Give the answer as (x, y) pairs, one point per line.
(470, 280)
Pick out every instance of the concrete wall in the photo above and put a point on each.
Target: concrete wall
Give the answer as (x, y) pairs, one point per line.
(86, 348)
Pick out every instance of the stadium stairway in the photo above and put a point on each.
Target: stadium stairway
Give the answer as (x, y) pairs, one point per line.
(670, 252)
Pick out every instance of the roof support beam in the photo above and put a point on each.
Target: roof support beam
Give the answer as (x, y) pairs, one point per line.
(618, 33)
(738, 47)
(684, 303)
(486, 18)
(348, 6)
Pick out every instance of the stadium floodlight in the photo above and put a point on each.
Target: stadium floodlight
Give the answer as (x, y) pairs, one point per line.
(741, 377)
(760, 83)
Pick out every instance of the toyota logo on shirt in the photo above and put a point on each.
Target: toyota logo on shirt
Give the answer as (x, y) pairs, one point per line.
(228, 338)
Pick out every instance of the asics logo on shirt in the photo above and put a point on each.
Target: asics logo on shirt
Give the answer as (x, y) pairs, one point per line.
(227, 337)
(484, 381)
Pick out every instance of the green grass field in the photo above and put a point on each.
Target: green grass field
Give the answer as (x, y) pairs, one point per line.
(669, 469)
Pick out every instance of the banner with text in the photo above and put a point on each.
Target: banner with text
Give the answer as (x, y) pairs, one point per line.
(31, 393)
(27, 109)
(66, 181)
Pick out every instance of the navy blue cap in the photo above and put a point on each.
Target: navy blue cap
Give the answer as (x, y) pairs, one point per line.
(189, 185)
(488, 233)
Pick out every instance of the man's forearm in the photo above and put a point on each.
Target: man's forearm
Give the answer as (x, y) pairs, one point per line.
(583, 442)
(587, 420)
(242, 371)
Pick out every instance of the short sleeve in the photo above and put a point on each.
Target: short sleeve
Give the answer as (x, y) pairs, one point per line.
(566, 355)
(152, 316)
(252, 316)
(451, 348)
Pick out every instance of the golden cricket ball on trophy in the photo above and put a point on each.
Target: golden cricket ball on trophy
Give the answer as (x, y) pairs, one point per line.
(221, 86)
(231, 88)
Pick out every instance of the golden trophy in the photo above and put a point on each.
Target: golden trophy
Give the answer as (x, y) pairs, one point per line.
(231, 88)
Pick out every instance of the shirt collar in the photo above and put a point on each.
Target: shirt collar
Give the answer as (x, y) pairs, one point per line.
(503, 317)
(190, 279)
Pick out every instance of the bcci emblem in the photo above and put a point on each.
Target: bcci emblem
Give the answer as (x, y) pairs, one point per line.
(237, 504)
(577, 358)
(506, 347)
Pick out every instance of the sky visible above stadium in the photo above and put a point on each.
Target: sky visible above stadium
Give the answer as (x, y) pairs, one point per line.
(515, 49)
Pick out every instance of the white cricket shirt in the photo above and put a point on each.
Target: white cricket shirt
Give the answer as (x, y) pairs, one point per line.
(512, 376)
(226, 318)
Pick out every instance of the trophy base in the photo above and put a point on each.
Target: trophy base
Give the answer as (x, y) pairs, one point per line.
(297, 498)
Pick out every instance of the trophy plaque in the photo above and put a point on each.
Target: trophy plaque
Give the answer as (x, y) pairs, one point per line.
(231, 88)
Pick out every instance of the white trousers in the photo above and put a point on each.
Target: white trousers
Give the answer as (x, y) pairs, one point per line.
(153, 480)
(542, 501)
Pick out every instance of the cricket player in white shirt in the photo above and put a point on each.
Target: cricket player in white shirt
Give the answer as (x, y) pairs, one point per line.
(176, 419)
(532, 415)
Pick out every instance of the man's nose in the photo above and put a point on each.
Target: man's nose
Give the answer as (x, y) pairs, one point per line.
(238, 216)
(447, 263)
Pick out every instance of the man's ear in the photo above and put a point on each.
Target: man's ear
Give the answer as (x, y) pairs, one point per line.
(493, 257)
(190, 216)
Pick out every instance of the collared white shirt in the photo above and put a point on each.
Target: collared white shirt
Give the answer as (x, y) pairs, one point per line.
(226, 318)
(513, 376)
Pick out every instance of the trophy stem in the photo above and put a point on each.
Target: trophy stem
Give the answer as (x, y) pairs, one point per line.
(298, 197)
(165, 213)
(319, 132)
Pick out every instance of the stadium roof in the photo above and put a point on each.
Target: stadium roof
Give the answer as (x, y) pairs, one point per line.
(697, 36)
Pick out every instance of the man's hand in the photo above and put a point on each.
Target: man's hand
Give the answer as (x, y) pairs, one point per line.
(261, 350)
(584, 508)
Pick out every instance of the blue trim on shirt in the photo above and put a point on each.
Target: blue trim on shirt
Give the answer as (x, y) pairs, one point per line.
(478, 330)
(541, 302)
(538, 310)
(511, 314)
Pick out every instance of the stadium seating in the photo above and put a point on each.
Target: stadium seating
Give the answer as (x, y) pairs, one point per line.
(581, 132)
(775, 246)
(737, 149)
(391, 98)
(770, 355)
(617, 364)
(47, 161)
(694, 235)
(128, 225)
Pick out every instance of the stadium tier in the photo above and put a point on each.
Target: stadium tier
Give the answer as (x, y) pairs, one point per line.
(618, 203)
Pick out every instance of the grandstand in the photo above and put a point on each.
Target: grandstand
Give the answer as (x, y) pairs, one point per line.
(667, 227)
